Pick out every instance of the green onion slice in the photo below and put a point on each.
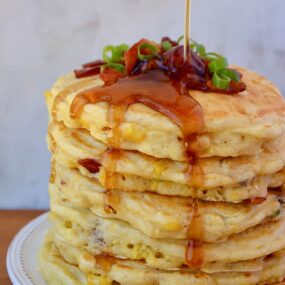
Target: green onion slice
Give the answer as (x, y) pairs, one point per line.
(212, 56)
(199, 49)
(232, 74)
(222, 78)
(217, 64)
(221, 81)
(114, 54)
(180, 39)
(120, 50)
(118, 67)
(166, 46)
(108, 53)
(153, 49)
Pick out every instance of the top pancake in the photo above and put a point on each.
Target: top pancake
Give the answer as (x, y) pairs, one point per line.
(234, 124)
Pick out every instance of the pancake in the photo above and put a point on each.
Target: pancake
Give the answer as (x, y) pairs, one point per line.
(102, 235)
(217, 171)
(76, 143)
(158, 216)
(251, 188)
(235, 193)
(64, 264)
(214, 171)
(240, 120)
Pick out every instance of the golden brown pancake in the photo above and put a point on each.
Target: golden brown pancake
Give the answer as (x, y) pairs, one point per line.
(65, 264)
(159, 216)
(102, 235)
(258, 112)
(70, 146)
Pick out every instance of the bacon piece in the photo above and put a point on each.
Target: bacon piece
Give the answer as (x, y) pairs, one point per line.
(168, 39)
(235, 87)
(94, 63)
(131, 55)
(257, 200)
(110, 75)
(85, 72)
(90, 164)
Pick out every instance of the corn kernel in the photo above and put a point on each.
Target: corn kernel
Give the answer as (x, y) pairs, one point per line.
(153, 185)
(98, 280)
(68, 224)
(159, 167)
(133, 133)
(172, 226)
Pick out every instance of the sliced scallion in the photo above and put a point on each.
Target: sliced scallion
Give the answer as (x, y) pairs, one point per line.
(212, 56)
(217, 64)
(180, 39)
(108, 53)
(114, 54)
(232, 74)
(117, 66)
(152, 51)
(166, 45)
(198, 48)
(220, 80)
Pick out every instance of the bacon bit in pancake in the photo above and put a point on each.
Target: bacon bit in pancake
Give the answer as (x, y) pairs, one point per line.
(90, 164)
(257, 200)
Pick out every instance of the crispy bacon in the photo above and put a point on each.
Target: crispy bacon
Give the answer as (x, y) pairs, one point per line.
(257, 200)
(235, 87)
(85, 72)
(187, 74)
(94, 63)
(110, 76)
(131, 56)
(90, 164)
(168, 39)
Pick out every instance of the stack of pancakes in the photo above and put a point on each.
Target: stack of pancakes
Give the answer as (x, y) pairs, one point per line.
(141, 214)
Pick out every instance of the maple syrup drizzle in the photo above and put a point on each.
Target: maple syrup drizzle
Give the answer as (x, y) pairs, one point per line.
(157, 91)
(110, 158)
(105, 262)
(111, 202)
(194, 253)
(153, 89)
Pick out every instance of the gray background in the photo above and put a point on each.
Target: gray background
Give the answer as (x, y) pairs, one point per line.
(41, 39)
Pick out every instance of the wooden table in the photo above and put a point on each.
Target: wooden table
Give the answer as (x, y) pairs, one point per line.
(10, 223)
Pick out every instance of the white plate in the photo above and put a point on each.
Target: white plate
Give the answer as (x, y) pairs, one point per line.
(23, 252)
